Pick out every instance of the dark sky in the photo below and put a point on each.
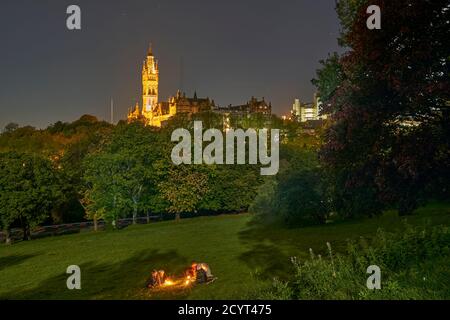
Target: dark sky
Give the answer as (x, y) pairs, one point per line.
(231, 50)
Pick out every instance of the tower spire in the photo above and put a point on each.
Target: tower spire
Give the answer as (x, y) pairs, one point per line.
(150, 50)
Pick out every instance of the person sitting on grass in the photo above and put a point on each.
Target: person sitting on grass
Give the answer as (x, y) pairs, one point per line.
(157, 279)
(201, 272)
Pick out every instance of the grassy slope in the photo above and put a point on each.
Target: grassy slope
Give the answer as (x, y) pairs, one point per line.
(115, 265)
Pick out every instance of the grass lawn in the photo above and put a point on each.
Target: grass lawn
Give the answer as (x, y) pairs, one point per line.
(242, 254)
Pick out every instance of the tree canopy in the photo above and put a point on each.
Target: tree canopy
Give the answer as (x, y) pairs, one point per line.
(388, 99)
(29, 189)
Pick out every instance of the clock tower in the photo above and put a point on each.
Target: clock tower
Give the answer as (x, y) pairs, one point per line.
(150, 80)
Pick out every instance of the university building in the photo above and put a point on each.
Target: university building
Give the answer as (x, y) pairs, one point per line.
(156, 113)
(252, 106)
(304, 112)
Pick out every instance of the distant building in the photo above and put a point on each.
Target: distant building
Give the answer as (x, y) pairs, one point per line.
(236, 115)
(304, 112)
(253, 106)
(296, 109)
(156, 113)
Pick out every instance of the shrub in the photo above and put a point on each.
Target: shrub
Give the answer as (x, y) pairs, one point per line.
(297, 195)
(413, 266)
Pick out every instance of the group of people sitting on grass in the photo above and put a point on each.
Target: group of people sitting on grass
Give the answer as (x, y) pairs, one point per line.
(197, 272)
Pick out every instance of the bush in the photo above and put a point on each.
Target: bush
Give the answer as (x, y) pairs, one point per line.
(414, 265)
(264, 203)
(297, 195)
(301, 199)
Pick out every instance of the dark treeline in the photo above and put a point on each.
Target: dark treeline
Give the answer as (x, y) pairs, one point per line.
(93, 170)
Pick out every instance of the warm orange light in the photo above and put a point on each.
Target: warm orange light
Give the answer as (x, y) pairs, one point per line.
(168, 282)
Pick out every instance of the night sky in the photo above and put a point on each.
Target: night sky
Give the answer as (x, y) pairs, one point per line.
(231, 50)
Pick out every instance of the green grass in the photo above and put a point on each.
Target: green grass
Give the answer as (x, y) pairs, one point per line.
(242, 254)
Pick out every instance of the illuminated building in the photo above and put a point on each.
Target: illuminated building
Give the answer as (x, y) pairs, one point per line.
(304, 112)
(154, 112)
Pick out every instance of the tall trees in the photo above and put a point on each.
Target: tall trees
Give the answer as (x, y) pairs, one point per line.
(183, 188)
(106, 172)
(231, 188)
(388, 99)
(29, 188)
(221, 188)
(140, 148)
(66, 145)
(90, 139)
(102, 193)
(120, 179)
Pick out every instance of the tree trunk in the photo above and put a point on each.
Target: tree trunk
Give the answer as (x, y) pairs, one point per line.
(177, 217)
(95, 223)
(148, 217)
(26, 232)
(135, 214)
(8, 236)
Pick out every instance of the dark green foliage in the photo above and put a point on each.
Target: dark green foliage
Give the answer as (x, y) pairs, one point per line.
(265, 203)
(66, 144)
(183, 188)
(132, 174)
(301, 198)
(387, 95)
(121, 178)
(29, 189)
(83, 125)
(410, 264)
(298, 194)
(231, 188)
(330, 77)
